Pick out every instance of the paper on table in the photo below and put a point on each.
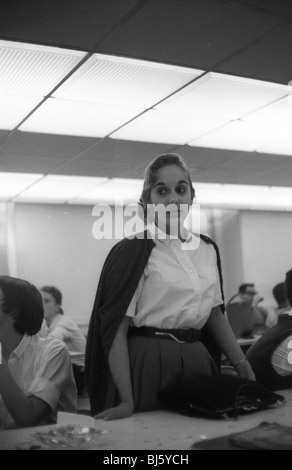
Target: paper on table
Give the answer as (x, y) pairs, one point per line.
(266, 436)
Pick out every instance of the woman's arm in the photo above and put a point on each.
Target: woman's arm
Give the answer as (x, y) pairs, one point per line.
(120, 369)
(26, 411)
(224, 337)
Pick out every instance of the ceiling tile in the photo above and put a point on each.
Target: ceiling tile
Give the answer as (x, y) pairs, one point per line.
(114, 150)
(277, 176)
(281, 7)
(78, 118)
(58, 189)
(60, 23)
(242, 136)
(27, 164)
(198, 34)
(3, 135)
(125, 82)
(223, 96)
(114, 159)
(165, 127)
(253, 162)
(277, 114)
(45, 145)
(14, 108)
(28, 69)
(267, 59)
(204, 158)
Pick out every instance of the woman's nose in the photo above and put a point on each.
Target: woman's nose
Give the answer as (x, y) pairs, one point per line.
(173, 199)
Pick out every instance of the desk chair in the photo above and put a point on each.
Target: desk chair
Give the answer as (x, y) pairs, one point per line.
(240, 316)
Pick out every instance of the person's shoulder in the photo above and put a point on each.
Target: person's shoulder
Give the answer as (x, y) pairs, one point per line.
(205, 244)
(66, 321)
(207, 240)
(135, 241)
(51, 345)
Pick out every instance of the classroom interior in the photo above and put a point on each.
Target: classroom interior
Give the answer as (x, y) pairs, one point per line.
(91, 91)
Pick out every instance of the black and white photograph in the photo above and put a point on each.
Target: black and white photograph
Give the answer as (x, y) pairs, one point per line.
(146, 227)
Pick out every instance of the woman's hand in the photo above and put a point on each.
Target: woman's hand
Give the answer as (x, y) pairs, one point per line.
(123, 410)
(245, 371)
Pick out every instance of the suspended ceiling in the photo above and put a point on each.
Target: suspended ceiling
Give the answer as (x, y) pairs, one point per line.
(249, 39)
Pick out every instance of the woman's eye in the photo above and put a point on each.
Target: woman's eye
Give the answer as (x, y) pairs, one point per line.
(161, 191)
(181, 189)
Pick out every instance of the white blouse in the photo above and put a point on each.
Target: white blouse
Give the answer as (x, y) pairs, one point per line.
(42, 368)
(179, 286)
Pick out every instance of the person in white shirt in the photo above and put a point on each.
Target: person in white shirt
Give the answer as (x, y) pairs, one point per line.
(36, 376)
(59, 326)
(156, 342)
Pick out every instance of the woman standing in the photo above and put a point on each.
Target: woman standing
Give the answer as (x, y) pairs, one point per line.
(157, 317)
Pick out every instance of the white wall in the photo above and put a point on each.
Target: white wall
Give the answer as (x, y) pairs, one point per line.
(255, 246)
(55, 245)
(227, 234)
(266, 249)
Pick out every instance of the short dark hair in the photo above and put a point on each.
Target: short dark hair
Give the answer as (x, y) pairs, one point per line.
(161, 161)
(56, 294)
(279, 292)
(242, 288)
(288, 286)
(23, 301)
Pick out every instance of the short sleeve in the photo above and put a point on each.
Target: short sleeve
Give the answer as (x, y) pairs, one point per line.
(52, 374)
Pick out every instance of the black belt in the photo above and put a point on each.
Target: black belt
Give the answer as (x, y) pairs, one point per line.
(179, 335)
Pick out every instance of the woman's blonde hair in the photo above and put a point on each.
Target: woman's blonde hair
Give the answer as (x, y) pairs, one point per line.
(161, 161)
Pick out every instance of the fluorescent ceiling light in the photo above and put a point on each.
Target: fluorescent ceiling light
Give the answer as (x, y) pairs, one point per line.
(280, 147)
(14, 108)
(116, 191)
(241, 135)
(13, 183)
(30, 69)
(279, 113)
(58, 189)
(78, 118)
(122, 81)
(223, 96)
(230, 196)
(162, 127)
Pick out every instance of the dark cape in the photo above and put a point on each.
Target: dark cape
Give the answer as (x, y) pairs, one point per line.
(118, 281)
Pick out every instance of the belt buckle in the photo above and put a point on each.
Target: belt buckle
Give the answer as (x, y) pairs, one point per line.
(164, 333)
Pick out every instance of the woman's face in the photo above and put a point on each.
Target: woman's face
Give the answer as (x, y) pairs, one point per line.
(172, 189)
(51, 309)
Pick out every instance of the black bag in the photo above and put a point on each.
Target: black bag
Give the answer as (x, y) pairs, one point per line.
(221, 396)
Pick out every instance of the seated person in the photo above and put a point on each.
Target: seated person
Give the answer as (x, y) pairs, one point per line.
(57, 325)
(279, 293)
(271, 356)
(256, 315)
(36, 377)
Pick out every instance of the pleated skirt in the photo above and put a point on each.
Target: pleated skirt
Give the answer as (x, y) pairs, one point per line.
(158, 363)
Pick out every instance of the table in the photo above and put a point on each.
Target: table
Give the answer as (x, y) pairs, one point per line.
(246, 343)
(155, 430)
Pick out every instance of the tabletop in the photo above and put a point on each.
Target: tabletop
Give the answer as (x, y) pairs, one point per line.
(155, 430)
